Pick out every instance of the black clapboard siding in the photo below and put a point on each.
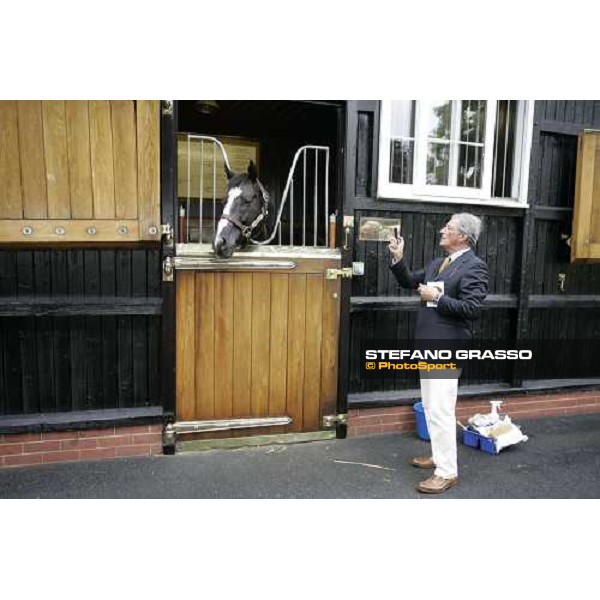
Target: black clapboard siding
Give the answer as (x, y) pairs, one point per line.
(553, 324)
(60, 336)
(12, 382)
(364, 154)
(110, 370)
(526, 250)
(79, 329)
(64, 363)
(552, 258)
(556, 184)
(397, 325)
(586, 112)
(497, 246)
(552, 190)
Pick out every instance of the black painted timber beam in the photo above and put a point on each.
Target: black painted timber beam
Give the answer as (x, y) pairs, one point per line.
(88, 307)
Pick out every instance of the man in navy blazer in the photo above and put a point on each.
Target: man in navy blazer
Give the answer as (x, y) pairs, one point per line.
(460, 285)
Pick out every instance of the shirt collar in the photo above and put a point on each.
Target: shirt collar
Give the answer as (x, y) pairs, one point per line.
(458, 253)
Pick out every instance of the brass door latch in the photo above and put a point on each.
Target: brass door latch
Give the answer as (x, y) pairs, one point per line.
(333, 420)
(345, 273)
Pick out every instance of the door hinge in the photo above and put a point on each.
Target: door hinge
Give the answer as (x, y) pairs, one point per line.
(167, 269)
(344, 273)
(333, 420)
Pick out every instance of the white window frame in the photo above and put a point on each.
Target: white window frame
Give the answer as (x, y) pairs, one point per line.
(420, 191)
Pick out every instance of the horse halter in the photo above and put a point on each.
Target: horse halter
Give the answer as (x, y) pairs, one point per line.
(247, 230)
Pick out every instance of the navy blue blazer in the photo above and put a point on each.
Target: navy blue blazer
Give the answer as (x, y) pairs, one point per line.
(465, 288)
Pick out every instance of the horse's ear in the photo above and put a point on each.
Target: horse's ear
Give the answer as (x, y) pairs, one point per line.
(228, 172)
(252, 172)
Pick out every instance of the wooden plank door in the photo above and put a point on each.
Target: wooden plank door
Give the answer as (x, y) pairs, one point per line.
(258, 344)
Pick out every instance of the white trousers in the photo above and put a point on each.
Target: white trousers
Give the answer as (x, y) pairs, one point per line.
(439, 404)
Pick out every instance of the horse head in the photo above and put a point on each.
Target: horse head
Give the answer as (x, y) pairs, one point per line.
(244, 214)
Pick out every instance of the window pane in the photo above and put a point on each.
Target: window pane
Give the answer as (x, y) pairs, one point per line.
(504, 148)
(472, 121)
(403, 118)
(438, 159)
(401, 163)
(469, 166)
(439, 119)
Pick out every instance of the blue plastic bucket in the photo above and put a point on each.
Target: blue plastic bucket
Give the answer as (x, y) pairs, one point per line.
(421, 422)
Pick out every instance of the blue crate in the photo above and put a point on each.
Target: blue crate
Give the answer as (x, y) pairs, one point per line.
(470, 438)
(487, 445)
(422, 430)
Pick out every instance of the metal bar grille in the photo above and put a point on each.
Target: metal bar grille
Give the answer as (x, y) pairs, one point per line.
(305, 176)
(315, 179)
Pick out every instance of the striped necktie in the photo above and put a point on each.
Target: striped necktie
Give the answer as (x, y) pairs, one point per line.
(444, 265)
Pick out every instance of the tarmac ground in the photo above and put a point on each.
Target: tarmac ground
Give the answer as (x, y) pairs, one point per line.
(561, 459)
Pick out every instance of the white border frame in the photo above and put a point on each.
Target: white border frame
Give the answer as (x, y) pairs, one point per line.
(454, 195)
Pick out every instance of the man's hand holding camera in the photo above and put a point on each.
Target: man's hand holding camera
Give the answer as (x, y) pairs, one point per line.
(396, 248)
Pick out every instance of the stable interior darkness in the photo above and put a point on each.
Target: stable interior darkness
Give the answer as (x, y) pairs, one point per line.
(280, 127)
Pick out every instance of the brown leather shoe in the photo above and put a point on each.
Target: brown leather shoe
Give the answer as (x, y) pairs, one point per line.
(436, 484)
(423, 462)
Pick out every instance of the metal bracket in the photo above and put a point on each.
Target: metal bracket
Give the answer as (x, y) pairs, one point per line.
(348, 224)
(167, 108)
(358, 268)
(333, 420)
(168, 269)
(345, 273)
(169, 434)
(172, 430)
(167, 233)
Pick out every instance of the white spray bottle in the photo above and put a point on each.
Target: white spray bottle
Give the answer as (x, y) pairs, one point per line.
(496, 404)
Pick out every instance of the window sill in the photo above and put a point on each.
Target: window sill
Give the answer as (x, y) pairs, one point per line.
(453, 200)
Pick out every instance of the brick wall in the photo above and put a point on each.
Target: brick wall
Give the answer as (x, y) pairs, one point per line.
(92, 444)
(396, 419)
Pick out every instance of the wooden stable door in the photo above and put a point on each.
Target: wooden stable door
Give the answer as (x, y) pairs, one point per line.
(258, 344)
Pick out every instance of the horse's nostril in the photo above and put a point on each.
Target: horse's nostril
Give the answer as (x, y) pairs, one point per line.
(221, 247)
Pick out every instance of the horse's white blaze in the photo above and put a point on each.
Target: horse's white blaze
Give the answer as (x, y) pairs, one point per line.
(233, 193)
(221, 226)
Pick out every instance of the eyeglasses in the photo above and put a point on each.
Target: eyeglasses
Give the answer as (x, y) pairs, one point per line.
(450, 229)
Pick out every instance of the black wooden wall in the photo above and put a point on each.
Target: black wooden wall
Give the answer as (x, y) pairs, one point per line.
(82, 328)
(79, 329)
(526, 250)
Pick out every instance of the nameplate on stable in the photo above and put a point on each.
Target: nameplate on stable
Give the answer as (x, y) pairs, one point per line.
(374, 229)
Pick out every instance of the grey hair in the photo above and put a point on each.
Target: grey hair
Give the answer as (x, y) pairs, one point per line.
(468, 225)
